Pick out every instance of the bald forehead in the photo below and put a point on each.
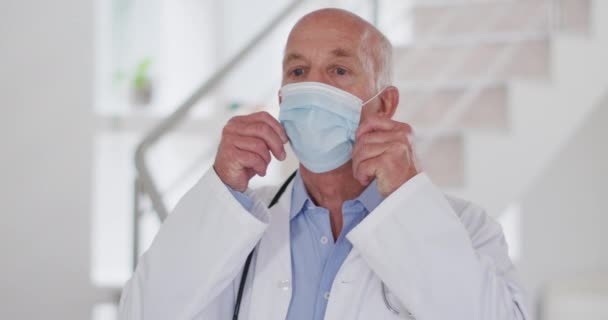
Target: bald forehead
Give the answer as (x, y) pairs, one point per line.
(335, 19)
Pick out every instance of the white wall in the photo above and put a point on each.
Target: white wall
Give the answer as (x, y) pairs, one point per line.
(46, 56)
(565, 213)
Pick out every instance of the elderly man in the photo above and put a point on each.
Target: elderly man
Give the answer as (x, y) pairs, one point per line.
(356, 233)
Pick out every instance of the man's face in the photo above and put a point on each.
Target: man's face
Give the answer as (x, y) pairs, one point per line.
(329, 51)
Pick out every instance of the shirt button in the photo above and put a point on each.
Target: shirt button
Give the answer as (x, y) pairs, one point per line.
(326, 295)
(324, 240)
(283, 284)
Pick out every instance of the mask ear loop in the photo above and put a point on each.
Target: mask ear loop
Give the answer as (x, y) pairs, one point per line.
(374, 97)
(366, 102)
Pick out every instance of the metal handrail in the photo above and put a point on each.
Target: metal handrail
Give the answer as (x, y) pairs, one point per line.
(145, 182)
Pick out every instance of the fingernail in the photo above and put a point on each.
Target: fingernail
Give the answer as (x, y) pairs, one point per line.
(283, 155)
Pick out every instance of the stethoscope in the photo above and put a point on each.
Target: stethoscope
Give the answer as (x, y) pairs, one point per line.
(239, 297)
(386, 302)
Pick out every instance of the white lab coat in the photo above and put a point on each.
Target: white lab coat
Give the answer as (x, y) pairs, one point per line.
(440, 258)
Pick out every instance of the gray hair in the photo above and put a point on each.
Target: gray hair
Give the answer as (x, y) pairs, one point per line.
(378, 52)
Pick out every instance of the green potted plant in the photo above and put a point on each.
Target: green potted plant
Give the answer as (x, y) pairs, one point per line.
(141, 83)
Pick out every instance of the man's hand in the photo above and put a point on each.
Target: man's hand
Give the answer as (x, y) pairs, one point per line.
(245, 148)
(382, 150)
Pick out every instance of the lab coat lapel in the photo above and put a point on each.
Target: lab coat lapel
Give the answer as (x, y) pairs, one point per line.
(272, 282)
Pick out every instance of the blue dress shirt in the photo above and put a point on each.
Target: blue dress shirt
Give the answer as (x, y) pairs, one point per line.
(315, 256)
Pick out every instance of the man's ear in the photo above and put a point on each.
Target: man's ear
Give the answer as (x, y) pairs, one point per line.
(280, 98)
(389, 100)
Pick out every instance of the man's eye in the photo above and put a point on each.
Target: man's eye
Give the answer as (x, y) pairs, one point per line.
(297, 72)
(341, 71)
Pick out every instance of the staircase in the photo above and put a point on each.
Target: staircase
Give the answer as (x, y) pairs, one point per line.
(494, 88)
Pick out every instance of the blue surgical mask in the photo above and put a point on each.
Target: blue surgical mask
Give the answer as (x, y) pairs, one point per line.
(320, 121)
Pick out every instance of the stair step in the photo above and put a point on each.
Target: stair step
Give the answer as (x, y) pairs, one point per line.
(575, 15)
(466, 17)
(477, 39)
(436, 3)
(444, 160)
(487, 111)
(529, 59)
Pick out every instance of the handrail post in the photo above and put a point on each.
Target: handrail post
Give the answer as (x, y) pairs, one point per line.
(136, 215)
(556, 15)
(375, 12)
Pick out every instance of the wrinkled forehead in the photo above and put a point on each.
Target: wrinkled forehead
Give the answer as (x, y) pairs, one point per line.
(338, 35)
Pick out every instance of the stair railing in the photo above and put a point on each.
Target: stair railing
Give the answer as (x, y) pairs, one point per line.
(462, 104)
(144, 183)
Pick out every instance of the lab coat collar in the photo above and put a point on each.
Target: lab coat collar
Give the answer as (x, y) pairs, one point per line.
(272, 273)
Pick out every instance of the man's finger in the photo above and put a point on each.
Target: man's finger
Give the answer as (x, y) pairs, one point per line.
(377, 123)
(273, 123)
(366, 170)
(374, 122)
(373, 150)
(255, 145)
(252, 161)
(382, 137)
(263, 131)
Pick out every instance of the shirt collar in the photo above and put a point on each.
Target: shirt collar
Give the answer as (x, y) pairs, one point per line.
(370, 198)
(299, 196)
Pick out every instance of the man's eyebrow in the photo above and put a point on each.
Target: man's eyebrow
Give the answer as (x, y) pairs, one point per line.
(338, 52)
(292, 56)
(341, 52)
